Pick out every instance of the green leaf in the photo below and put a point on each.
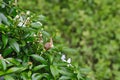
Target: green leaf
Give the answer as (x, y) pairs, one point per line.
(69, 50)
(66, 72)
(13, 61)
(64, 78)
(29, 73)
(3, 19)
(13, 69)
(36, 68)
(7, 77)
(39, 58)
(2, 73)
(3, 63)
(50, 57)
(4, 40)
(24, 76)
(61, 64)
(14, 45)
(36, 25)
(16, 69)
(46, 33)
(36, 76)
(7, 51)
(54, 70)
(47, 76)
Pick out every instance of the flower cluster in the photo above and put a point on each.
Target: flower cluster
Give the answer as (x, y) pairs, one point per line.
(23, 19)
(63, 58)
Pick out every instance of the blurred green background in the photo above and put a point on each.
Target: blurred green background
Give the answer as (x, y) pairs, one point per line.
(90, 28)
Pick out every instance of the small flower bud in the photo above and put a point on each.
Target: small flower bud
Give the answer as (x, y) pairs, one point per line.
(30, 63)
(28, 12)
(16, 17)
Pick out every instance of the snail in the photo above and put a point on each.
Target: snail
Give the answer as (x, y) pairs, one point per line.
(48, 45)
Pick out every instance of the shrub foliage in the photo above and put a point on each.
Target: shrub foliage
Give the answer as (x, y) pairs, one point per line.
(22, 52)
(91, 26)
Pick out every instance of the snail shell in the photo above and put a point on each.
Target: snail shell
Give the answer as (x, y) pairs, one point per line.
(49, 45)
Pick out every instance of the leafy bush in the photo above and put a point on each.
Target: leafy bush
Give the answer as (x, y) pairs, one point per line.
(23, 54)
(91, 26)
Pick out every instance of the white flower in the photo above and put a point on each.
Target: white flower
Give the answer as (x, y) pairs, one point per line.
(40, 34)
(21, 24)
(41, 41)
(28, 12)
(16, 17)
(28, 42)
(21, 18)
(69, 60)
(34, 35)
(63, 58)
(28, 18)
